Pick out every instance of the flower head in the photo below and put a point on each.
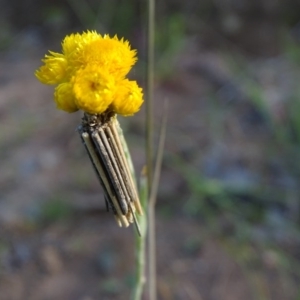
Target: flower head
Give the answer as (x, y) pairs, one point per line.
(54, 70)
(115, 55)
(94, 89)
(90, 74)
(128, 98)
(64, 97)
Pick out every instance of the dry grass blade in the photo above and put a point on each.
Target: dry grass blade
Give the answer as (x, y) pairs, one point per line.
(119, 164)
(151, 206)
(99, 142)
(115, 131)
(160, 152)
(103, 145)
(103, 178)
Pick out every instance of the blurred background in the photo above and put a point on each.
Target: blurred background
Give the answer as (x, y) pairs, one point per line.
(228, 204)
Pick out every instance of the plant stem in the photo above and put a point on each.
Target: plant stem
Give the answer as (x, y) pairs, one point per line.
(151, 208)
(149, 148)
(150, 89)
(140, 241)
(140, 244)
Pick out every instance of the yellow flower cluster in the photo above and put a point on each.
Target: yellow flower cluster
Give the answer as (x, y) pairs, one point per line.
(90, 75)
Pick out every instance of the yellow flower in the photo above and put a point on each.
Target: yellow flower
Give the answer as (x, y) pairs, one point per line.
(90, 74)
(64, 97)
(54, 70)
(128, 98)
(115, 55)
(74, 48)
(76, 42)
(94, 89)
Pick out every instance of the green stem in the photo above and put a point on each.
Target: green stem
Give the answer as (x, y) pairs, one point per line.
(150, 89)
(140, 244)
(149, 147)
(140, 241)
(151, 208)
